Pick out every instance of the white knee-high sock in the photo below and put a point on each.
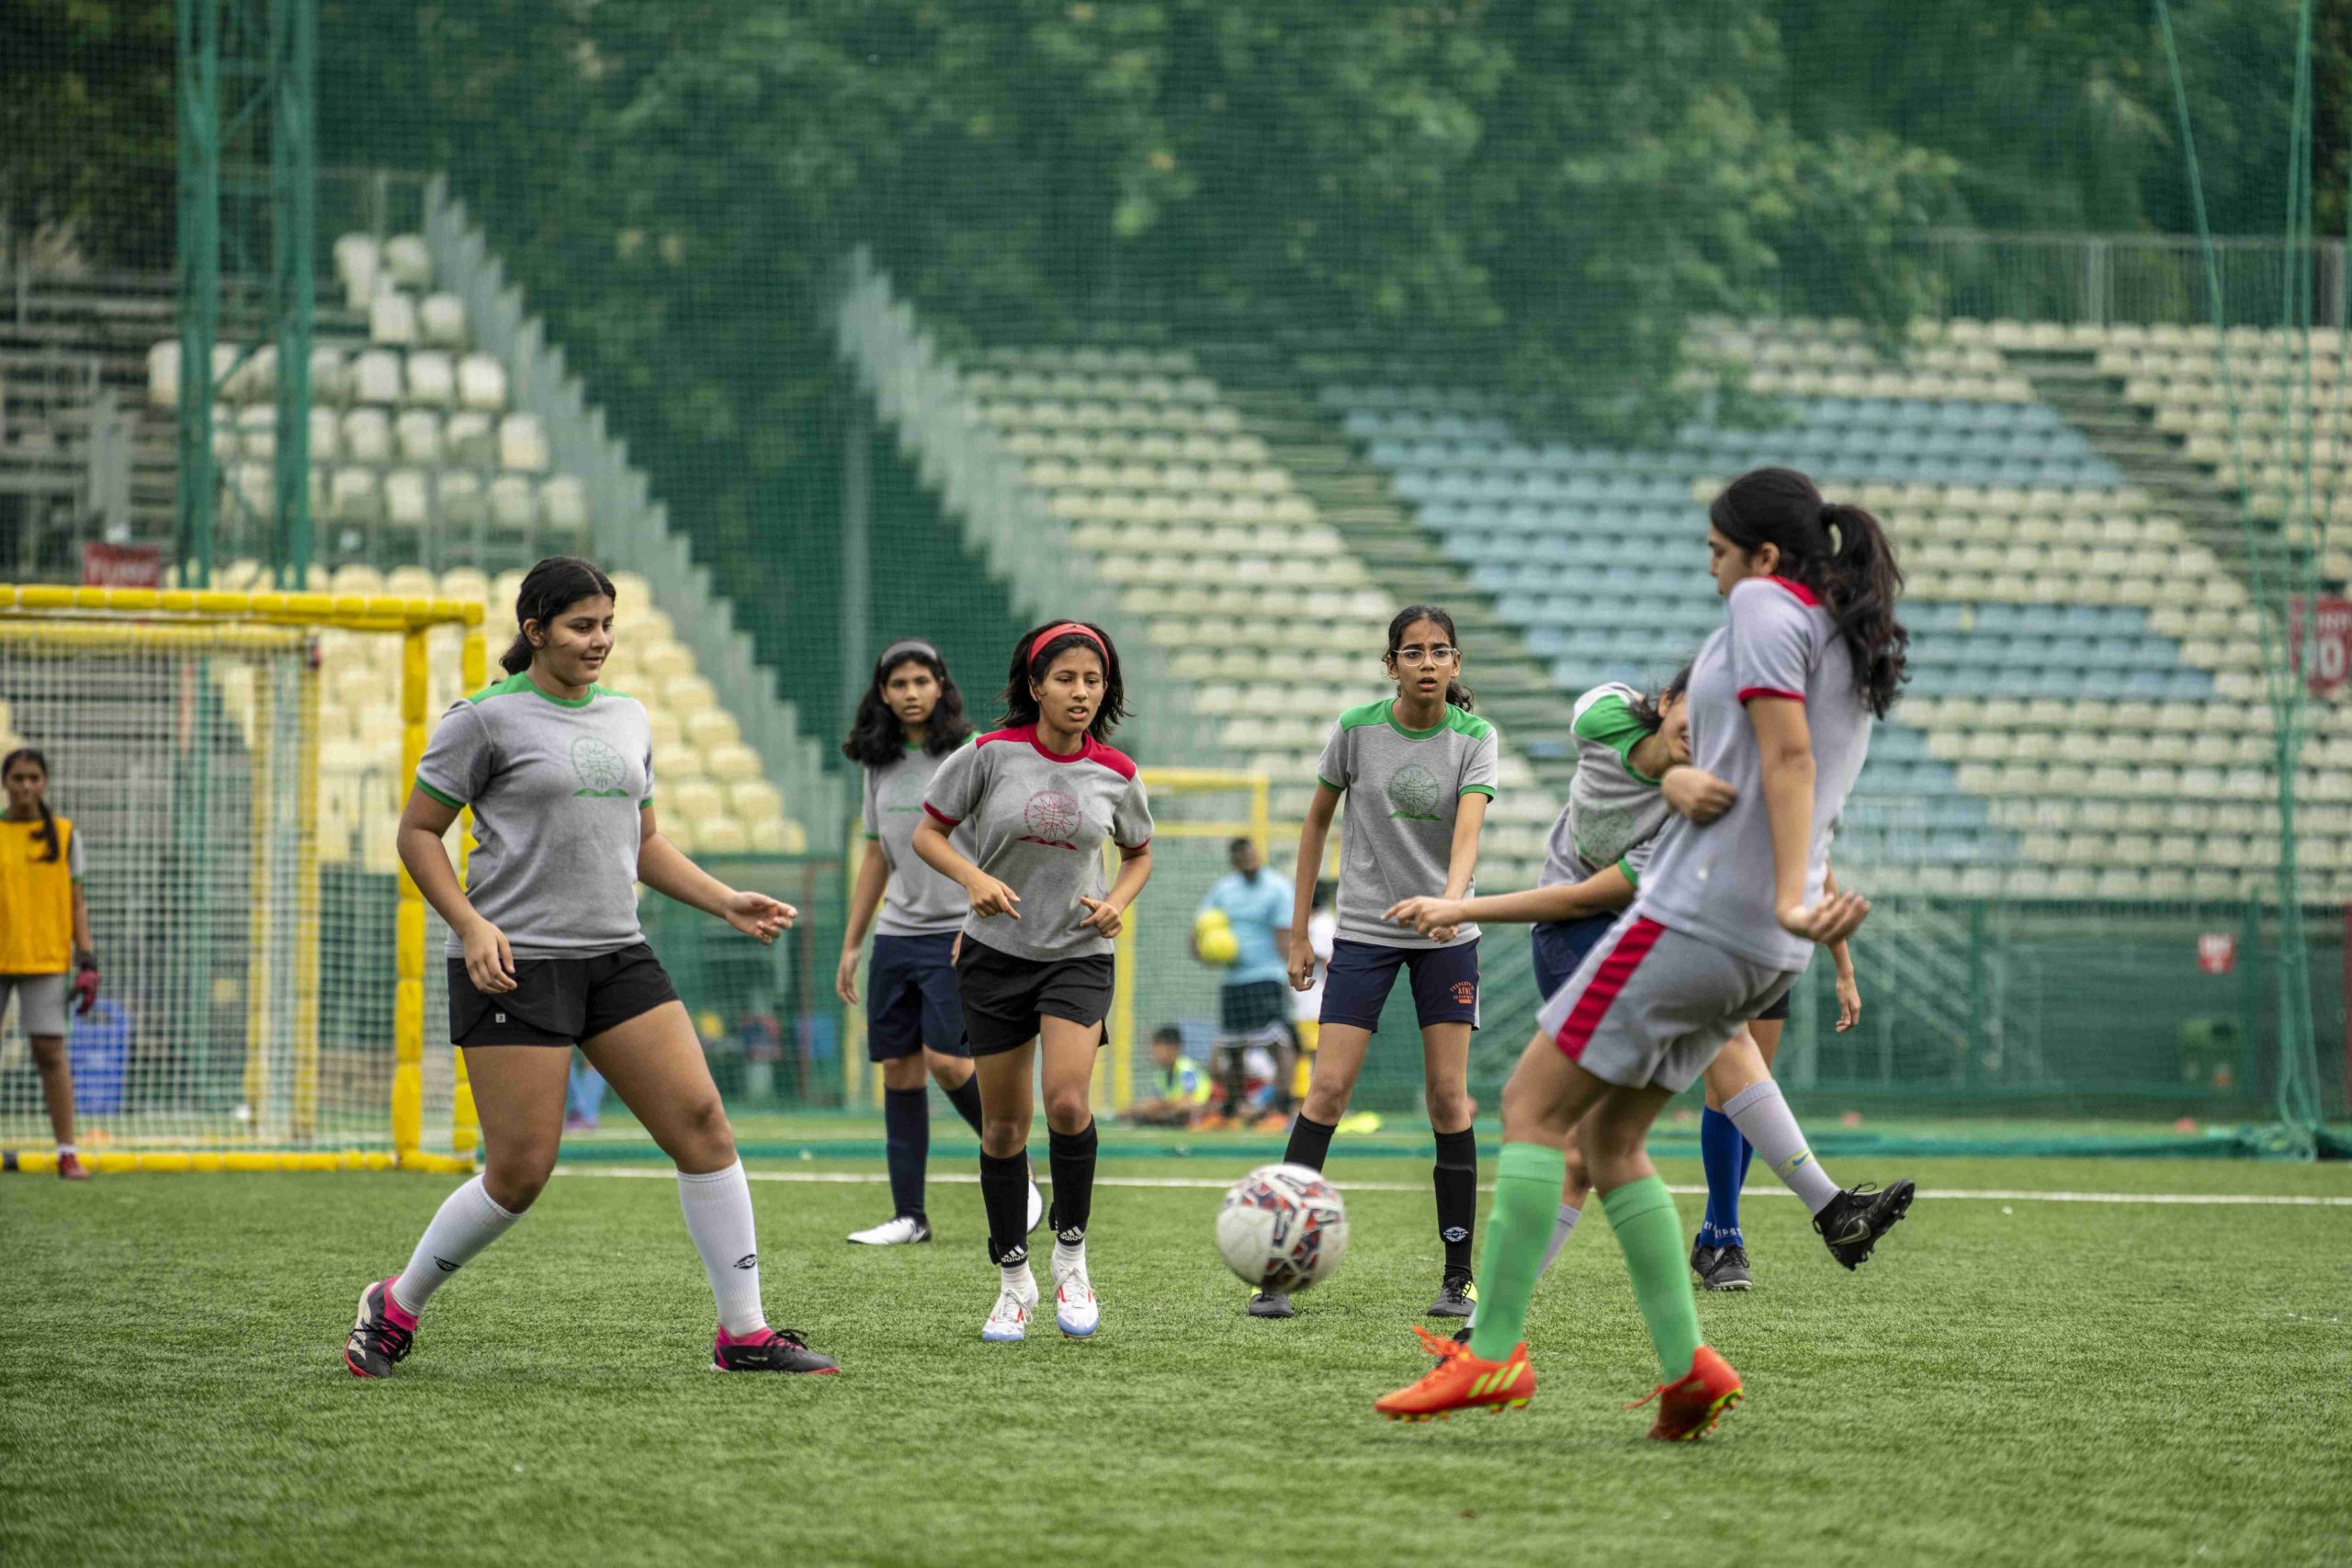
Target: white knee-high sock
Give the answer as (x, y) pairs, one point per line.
(1562, 1228)
(467, 1222)
(717, 1206)
(1764, 1119)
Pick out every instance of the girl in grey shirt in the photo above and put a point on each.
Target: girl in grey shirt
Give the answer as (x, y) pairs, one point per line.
(547, 953)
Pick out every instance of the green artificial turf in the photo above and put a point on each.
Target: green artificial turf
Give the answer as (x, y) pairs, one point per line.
(2012, 1381)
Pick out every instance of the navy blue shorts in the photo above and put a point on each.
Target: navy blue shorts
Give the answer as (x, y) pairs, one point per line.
(911, 998)
(1561, 945)
(1445, 982)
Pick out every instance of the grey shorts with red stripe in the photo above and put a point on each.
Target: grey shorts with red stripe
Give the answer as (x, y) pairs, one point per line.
(1650, 1007)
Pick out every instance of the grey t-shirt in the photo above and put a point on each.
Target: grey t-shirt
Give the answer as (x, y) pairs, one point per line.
(1039, 822)
(555, 786)
(1715, 882)
(1403, 786)
(917, 900)
(1614, 811)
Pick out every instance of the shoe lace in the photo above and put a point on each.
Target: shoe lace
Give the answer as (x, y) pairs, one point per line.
(390, 1340)
(1438, 1345)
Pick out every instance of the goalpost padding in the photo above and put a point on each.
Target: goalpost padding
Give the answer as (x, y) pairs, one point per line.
(264, 1004)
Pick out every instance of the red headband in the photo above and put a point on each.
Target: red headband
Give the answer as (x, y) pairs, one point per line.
(1067, 628)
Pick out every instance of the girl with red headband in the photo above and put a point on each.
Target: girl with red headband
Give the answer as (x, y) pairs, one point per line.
(1039, 796)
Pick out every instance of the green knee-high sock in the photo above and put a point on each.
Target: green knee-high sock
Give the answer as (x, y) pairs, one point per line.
(1641, 1214)
(1527, 1199)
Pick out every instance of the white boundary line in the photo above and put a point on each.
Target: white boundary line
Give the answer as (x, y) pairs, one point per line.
(1987, 1194)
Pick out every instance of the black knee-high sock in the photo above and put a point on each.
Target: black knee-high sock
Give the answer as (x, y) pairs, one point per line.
(1310, 1141)
(1458, 1196)
(1004, 1192)
(906, 1135)
(1071, 1154)
(966, 1097)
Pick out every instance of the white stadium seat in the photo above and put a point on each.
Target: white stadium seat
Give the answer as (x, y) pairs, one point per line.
(432, 379)
(376, 376)
(391, 320)
(441, 321)
(408, 264)
(522, 444)
(482, 383)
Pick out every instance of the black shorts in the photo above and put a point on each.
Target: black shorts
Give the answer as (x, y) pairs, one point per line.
(911, 999)
(1778, 1012)
(1252, 1006)
(1445, 982)
(1005, 996)
(558, 1002)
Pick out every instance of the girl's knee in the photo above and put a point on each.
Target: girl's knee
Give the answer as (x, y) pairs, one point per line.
(706, 1139)
(1002, 1137)
(516, 1184)
(1067, 1110)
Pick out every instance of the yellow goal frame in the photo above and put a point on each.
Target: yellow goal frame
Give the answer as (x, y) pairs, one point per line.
(182, 617)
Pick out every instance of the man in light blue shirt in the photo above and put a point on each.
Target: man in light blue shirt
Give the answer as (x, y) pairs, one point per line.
(1254, 995)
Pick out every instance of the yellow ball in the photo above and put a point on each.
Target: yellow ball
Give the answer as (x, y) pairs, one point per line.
(1214, 932)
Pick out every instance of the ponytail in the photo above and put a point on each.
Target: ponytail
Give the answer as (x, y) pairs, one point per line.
(47, 831)
(1840, 552)
(1863, 585)
(549, 587)
(1650, 712)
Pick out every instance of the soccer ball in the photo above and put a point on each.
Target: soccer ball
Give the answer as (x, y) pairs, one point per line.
(1283, 1227)
(1214, 932)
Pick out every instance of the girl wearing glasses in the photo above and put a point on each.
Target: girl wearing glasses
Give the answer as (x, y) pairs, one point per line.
(1420, 768)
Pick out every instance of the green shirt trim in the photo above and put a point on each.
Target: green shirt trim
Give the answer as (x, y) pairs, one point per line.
(1326, 784)
(1384, 711)
(1626, 866)
(452, 804)
(520, 682)
(1611, 722)
(1486, 790)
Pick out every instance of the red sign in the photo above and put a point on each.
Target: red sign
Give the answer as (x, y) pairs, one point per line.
(122, 566)
(2217, 953)
(2320, 643)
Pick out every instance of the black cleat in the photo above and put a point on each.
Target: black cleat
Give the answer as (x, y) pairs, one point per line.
(1727, 1270)
(1852, 1221)
(769, 1350)
(1271, 1304)
(1454, 1298)
(378, 1341)
(1702, 1257)
(1462, 1334)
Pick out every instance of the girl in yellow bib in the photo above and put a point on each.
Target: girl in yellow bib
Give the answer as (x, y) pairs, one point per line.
(44, 934)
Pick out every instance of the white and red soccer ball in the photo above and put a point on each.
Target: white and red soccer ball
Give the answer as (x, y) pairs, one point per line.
(1283, 1227)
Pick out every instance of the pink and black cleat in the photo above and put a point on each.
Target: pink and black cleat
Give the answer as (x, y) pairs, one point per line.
(382, 1334)
(768, 1350)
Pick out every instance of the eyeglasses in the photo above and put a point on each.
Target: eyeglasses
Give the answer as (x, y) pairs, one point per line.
(1443, 653)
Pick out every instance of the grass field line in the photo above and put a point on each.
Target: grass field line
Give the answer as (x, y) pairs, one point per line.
(1985, 1194)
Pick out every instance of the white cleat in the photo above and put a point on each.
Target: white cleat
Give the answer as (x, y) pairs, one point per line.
(1075, 1308)
(904, 1231)
(1036, 1208)
(1008, 1321)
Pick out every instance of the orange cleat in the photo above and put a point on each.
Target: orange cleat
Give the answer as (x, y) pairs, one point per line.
(1689, 1408)
(1461, 1382)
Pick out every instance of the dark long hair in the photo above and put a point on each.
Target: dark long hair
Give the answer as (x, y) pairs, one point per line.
(1021, 708)
(876, 736)
(48, 828)
(1838, 551)
(1650, 712)
(549, 587)
(1456, 692)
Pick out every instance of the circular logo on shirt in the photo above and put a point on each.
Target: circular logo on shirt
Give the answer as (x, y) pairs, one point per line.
(1412, 793)
(598, 768)
(902, 793)
(1603, 833)
(1052, 816)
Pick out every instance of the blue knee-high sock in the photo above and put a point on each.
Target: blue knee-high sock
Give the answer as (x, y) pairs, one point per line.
(1720, 1149)
(906, 1134)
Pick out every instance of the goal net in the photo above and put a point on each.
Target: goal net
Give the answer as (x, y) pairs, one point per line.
(1196, 815)
(232, 765)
